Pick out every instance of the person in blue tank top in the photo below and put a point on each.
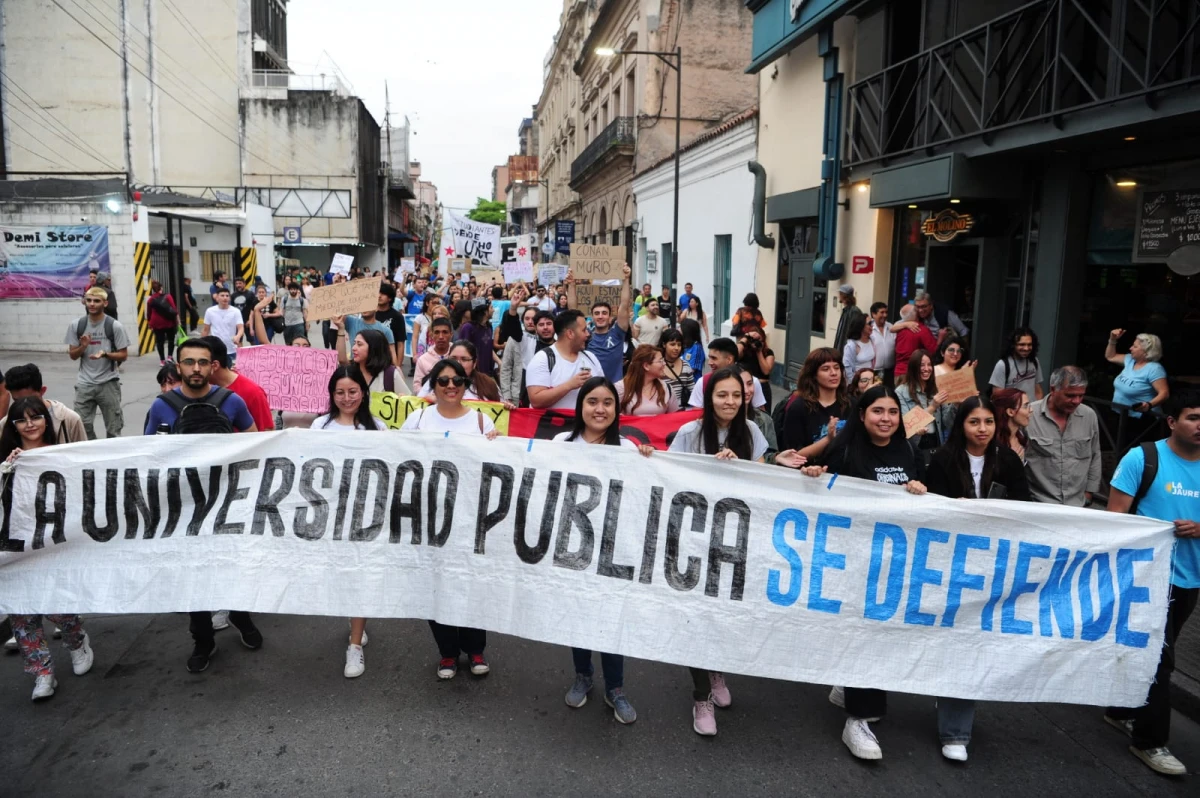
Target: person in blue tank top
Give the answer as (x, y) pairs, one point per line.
(1173, 496)
(610, 330)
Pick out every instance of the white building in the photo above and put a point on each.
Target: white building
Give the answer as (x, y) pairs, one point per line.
(715, 192)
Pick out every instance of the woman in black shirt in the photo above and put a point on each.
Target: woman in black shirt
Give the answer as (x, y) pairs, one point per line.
(816, 410)
(872, 446)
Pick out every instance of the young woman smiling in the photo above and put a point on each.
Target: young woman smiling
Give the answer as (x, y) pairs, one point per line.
(677, 374)
(643, 392)
(350, 409)
(872, 447)
(28, 426)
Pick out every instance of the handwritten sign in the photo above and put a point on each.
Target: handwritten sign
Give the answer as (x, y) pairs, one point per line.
(587, 295)
(915, 421)
(1167, 221)
(958, 384)
(460, 266)
(408, 265)
(552, 273)
(295, 379)
(518, 270)
(341, 263)
(392, 409)
(356, 296)
(487, 276)
(597, 262)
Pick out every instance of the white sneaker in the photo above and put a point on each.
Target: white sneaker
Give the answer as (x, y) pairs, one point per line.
(955, 753)
(43, 687)
(1159, 760)
(837, 696)
(859, 738)
(82, 657)
(356, 664)
(11, 644)
(220, 620)
(364, 642)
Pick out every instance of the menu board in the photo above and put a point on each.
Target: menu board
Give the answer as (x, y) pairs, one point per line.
(1167, 220)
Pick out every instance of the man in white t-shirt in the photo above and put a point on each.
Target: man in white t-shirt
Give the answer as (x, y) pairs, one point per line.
(649, 328)
(225, 322)
(555, 375)
(723, 353)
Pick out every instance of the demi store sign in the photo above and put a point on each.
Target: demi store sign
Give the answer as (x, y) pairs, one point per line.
(947, 225)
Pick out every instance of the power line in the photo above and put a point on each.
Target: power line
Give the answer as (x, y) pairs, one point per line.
(187, 108)
(190, 29)
(33, 138)
(56, 125)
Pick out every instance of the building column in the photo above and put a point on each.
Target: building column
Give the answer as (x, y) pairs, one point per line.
(1061, 260)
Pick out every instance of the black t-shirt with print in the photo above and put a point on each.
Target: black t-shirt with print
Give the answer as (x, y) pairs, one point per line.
(893, 464)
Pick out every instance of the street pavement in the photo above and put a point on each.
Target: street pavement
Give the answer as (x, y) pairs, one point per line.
(284, 721)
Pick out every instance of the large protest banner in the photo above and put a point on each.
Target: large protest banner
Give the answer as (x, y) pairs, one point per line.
(295, 379)
(726, 566)
(354, 296)
(472, 240)
(50, 262)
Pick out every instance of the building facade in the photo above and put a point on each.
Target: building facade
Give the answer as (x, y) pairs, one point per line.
(1023, 162)
(602, 119)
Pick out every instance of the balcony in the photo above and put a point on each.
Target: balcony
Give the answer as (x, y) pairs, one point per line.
(615, 141)
(269, 82)
(401, 182)
(1036, 63)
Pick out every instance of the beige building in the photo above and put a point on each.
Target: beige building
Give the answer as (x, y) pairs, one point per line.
(603, 119)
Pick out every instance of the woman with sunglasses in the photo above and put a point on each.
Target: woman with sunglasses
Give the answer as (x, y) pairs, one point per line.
(448, 415)
(28, 426)
(725, 433)
(350, 409)
(479, 388)
(597, 422)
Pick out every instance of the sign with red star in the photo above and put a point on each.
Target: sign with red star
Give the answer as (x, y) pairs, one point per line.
(522, 252)
(449, 251)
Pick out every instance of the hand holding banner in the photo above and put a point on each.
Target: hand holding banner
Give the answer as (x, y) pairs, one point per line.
(958, 384)
(295, 379)
(355, 296)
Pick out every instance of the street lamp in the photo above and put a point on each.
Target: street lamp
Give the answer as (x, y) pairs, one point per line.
(675, 61)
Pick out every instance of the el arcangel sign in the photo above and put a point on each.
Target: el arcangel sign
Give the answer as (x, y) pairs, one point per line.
(947, 225)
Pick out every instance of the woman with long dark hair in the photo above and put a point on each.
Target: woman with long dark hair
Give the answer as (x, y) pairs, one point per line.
(449, 415)
(163, 320)
(677, 374)
(725, 433)
(597, 422)
(695, 312)
(1013, 410)
(29, 426)
(642, 391)
(972, 465)
(952, 354)
(350, 409)
(918, 388)
(693, 347)
(815, 411)
(372, 353)
(872, 447)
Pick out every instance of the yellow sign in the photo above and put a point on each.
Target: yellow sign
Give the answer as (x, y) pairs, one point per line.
(392, 409)
(947, 225)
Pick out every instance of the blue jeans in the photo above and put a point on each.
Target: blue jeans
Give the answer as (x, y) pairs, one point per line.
(956, 716)
(613, 666)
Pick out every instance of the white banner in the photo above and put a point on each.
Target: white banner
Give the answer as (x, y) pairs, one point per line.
(734, 567)
(474, 241)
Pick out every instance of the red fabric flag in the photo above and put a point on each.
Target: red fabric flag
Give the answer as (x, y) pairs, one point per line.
(658, 431)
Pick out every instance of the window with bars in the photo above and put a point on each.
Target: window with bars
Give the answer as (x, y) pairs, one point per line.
(212, 262)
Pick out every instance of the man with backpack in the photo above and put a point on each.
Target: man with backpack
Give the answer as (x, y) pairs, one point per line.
(1019, 368)
(1161, 479)
(196, 407)
(100, 344)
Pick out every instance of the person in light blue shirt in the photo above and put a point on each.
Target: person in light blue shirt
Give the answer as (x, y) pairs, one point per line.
(1173, 496)
(1142, 383)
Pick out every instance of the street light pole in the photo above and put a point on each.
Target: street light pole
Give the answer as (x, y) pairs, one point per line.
(666, 57)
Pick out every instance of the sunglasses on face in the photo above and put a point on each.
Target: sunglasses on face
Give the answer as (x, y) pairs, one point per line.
(444, 382)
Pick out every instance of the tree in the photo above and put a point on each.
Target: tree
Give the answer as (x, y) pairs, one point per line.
(488, 212)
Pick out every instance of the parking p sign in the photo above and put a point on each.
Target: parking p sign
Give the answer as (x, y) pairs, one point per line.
(291, 235)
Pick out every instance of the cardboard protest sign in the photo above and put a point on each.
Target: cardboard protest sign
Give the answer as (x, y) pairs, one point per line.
(294, 378)
(341, 263)
(771, 573)
(597, 262)
(587, 295)
(518, 270)
(485, 276)
(355, 296)
(460, 266)
(916, 420)
(552, 273)
(958, 384)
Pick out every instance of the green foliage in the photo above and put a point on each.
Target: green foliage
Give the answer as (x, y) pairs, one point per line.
(488, 212)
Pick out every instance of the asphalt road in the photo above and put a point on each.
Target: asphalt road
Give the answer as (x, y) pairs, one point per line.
(284, 721)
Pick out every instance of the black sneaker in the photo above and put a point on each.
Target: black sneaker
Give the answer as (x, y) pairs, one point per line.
(198, 662)
(251, 637)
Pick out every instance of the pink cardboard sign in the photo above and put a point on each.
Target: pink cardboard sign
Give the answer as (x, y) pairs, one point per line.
(295, 379)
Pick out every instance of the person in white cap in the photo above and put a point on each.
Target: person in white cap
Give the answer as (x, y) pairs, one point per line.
(850, 310)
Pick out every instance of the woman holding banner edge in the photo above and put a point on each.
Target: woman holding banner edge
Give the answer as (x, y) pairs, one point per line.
(972, 465)
(872, 446)
(350, 409)
(597, 422)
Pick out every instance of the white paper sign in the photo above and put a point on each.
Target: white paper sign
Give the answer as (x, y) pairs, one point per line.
(552, 273)
(341, 263)
(475, 241)
(519, 270)
(769, 572)
(408, 265)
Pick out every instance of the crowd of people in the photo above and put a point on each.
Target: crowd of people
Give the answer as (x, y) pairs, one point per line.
(650, 355)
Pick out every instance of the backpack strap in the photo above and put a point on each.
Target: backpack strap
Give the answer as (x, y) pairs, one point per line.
(551, 358)
(109, 329)
(217, 397)
(175, 400)
(80, 326)
(1149, 473)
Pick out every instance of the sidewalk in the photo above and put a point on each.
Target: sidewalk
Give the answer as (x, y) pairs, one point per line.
(139, 389)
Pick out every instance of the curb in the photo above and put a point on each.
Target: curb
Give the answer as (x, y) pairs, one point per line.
(1185, 695)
